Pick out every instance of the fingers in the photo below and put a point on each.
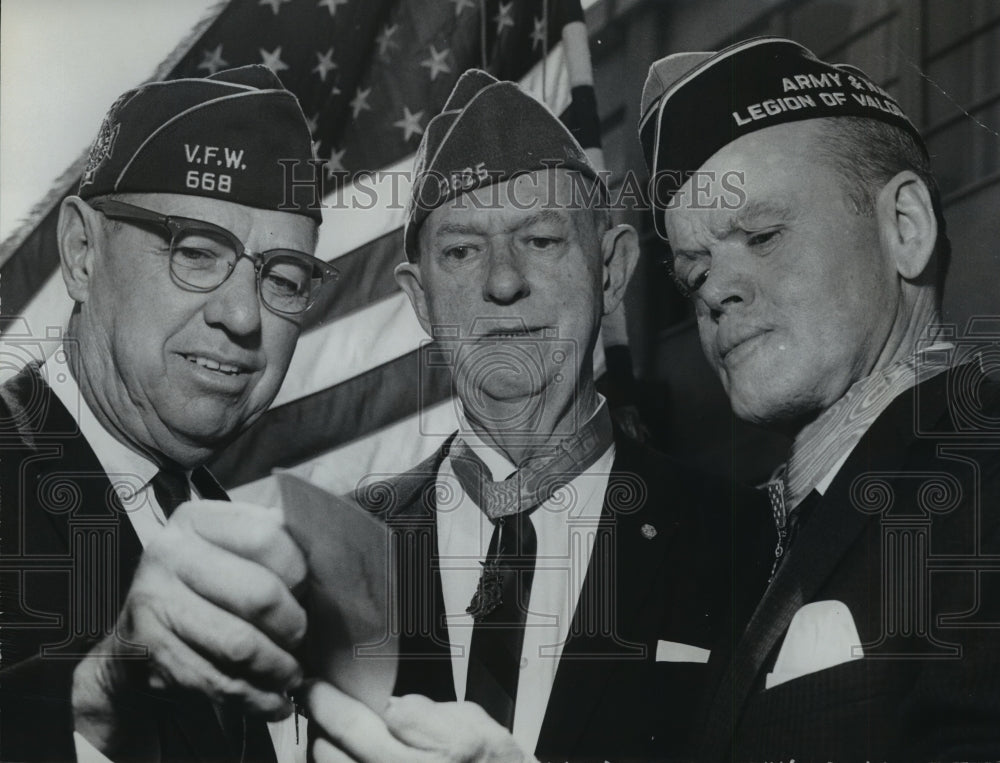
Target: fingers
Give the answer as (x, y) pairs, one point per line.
(323, 751)
(252, 532)
(455, 731)
(194, 644)
(234, 584)
(211, 604)
(353, 729)
(177, 665)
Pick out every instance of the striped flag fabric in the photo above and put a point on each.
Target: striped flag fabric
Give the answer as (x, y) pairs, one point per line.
(361, 395)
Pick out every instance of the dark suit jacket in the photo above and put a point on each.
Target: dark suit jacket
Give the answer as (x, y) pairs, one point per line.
(908, 537)
(660, 570)
(68, 557)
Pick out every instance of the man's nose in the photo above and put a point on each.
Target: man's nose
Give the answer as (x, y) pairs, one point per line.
(729, 283)
(235, 305)
(505, 280)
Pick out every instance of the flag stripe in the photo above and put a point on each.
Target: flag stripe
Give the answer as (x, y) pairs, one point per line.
(295, 432)
(341, 469)
(27, 270)
(369, 207)
(365, 277)
(382, 332)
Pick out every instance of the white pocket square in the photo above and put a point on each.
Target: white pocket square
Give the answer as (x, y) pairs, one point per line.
(822, 634)
(673, 651)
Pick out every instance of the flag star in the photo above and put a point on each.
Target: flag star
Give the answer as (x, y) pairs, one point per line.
(410, 124)
(315, 145)
(461, 5)
(273, 60)
(538, 36)
(336, 161)
(436, 63)
(325, 64)
(313, 123)
(213, 60)
(275, 4)
(504, 18)
(360, 101)
(385, 41)
(331, 5)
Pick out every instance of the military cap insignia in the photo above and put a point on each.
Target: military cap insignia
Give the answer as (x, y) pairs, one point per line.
(105, 142)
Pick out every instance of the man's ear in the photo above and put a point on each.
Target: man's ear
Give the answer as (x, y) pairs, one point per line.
(409, 279)
(907, 224)
(619, 255)
(77, 235)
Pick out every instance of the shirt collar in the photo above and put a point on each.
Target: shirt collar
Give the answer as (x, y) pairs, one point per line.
(821, 448)
(499, 465)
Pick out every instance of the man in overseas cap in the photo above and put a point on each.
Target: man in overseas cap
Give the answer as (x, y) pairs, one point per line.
(153, 631)
(802, 218)
(568, 583)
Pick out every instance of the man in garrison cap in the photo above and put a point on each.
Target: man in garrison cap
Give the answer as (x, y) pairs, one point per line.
(557, 574)
(802, 219)
(152, 627)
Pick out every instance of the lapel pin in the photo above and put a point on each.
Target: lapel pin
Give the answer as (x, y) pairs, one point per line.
(648, 531)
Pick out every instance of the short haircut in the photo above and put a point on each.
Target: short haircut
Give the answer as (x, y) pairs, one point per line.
(867, 154)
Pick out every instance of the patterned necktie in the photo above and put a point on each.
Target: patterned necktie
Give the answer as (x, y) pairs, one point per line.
(787, 519)
(500, 604)
(171, 488)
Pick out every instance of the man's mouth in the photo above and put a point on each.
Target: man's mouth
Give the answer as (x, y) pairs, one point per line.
(520, 334)
(505, 328)
(733, 343)
(212, 364)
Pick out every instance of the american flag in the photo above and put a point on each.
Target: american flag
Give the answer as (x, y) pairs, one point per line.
(369, 74)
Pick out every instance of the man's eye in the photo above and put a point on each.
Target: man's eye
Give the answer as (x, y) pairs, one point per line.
(542, 242)
(688, 274)
(762, 238)
(696, 279)
(195, 256)
(458, 252)
(278, 284)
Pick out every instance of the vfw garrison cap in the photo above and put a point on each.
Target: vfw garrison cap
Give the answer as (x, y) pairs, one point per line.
(489, 131)
(693, 104)
(220, 136)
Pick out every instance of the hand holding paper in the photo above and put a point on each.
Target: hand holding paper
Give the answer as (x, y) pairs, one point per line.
(348, 591)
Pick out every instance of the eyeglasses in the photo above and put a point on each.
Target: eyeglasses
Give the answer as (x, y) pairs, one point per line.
(203, 256)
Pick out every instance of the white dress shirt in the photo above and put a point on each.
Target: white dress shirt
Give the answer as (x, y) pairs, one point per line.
(130, 474)
(566, 526)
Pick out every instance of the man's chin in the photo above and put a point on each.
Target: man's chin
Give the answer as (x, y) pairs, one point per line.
(197, 436)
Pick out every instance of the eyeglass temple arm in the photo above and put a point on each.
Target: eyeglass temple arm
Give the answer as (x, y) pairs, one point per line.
(115, 209)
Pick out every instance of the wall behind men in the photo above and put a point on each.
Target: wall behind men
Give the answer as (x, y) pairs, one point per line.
(939, 58)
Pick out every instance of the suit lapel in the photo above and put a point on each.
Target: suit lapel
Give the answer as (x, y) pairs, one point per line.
(425, 653)
(823, 541)
(98, 503)
(625, 562)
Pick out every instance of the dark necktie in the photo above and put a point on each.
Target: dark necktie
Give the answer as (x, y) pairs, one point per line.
(171, 488)
(500, 604)
(498, 635)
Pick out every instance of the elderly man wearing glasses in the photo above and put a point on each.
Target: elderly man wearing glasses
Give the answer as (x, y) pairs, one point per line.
(132, 629)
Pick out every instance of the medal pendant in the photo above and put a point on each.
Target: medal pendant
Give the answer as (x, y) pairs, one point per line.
(489, 592)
